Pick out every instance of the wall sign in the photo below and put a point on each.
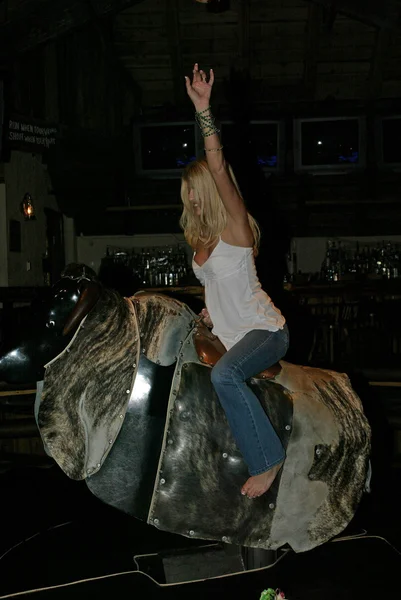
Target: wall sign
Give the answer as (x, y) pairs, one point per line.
(30, 135)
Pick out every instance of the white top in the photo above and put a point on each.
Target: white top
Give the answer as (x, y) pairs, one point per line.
(233, 294)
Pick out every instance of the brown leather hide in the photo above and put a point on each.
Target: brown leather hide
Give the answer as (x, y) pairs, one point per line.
(210, 349)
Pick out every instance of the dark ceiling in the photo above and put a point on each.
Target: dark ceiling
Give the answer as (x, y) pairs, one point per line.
(28, 23)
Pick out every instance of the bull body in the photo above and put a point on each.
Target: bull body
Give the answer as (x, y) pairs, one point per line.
(128, 406)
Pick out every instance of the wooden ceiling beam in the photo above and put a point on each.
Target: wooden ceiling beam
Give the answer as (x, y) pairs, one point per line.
(329, 17)
(174, 42)
(237, 87)
(244, 18)
(385, 14)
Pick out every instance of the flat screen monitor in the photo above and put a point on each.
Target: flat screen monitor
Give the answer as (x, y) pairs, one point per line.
(165, 149)
(334, 144)
(388, 141)
(264, 144)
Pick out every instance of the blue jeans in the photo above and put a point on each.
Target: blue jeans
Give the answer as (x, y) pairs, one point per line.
(256, 439)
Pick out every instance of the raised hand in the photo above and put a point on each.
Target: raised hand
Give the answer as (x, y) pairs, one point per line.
(200, 89)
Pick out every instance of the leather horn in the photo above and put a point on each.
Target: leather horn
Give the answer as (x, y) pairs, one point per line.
(86, 302)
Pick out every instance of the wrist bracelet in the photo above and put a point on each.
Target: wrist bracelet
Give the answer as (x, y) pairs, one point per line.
(214, 149)
(202, 112)
(206, 122)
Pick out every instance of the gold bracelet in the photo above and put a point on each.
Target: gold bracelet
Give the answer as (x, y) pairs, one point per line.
(214, 149)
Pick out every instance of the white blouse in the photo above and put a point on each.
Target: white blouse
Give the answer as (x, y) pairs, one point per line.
(233, 294)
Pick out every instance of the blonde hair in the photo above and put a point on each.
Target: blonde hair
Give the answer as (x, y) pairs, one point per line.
(210, 224)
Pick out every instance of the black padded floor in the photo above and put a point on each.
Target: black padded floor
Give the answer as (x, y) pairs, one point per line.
(97, 541)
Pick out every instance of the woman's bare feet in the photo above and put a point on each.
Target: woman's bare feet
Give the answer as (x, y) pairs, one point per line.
(257, 485)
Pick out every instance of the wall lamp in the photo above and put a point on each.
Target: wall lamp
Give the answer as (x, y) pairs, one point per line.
(27, 208)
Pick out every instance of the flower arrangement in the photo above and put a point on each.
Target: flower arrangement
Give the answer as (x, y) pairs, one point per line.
(271, 594)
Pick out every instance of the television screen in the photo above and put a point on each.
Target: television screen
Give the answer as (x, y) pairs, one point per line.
(263, 141)
(330, 143)
(391, 140)
(165, 147)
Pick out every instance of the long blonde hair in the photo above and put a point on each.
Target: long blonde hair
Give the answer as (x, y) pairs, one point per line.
(210, 224)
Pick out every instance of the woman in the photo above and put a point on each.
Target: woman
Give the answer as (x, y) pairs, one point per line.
(225, 239)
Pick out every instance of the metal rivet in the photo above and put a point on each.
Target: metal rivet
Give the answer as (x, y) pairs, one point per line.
(225, 455)
(192, 532)
(184, 366)
(128, 391)
(271, 505)
(121, 416)
(156, 521)
(98, 465)
(134, 365)
(288, 427)
(162, 481)
(318, 451)
(170, 442)
(224, 538)
(110, 442)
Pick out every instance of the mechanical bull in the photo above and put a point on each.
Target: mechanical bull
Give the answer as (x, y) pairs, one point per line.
(127, 404)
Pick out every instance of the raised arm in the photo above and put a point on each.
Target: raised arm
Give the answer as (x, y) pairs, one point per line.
(199, 91)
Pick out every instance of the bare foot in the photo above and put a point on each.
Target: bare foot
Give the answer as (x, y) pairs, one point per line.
(257, 485)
